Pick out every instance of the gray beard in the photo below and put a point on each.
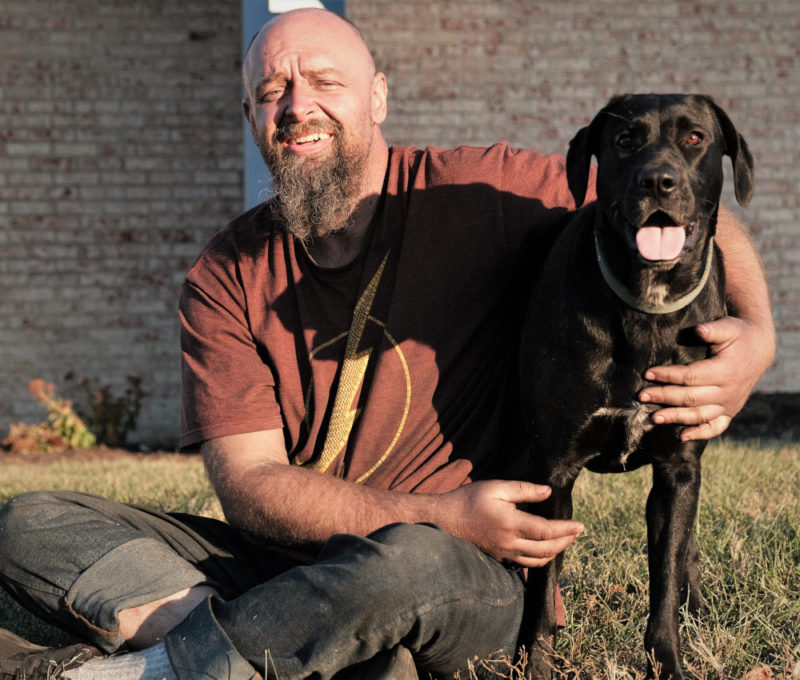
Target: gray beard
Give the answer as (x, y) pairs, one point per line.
(317, 202)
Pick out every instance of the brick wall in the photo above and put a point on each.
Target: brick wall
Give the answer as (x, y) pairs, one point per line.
(120, 149)
(120, 154)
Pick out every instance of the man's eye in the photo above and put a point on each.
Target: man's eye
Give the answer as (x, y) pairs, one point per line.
(271, 95)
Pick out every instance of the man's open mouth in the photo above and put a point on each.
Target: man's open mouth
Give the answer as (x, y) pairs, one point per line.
(306, 134)
(660, 237)
(307, 139)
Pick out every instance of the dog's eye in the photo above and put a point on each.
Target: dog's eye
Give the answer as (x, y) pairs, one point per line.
(625, 140)
(694, 138)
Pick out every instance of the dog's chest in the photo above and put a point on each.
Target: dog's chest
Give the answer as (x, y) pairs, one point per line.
(614, 432)
(610, 439)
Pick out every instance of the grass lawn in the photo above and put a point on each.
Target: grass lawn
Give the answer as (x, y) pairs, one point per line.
(747, 529)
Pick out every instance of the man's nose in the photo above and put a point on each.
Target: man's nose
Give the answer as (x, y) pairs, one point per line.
(300, 103)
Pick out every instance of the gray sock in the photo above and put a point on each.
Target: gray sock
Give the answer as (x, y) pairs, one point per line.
(148, 664)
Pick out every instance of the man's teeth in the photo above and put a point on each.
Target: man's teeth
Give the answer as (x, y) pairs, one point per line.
(311, 138)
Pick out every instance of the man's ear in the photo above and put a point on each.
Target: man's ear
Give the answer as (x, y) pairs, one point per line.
(247, 110)
(380, 93)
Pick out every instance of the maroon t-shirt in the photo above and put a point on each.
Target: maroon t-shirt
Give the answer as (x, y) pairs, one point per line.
(397, 369)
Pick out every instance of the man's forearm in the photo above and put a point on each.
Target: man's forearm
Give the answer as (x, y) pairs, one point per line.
(263, 494)
(290, 505)
(746, 282)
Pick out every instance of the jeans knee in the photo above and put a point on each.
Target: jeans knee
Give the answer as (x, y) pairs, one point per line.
(423, 555)
(19, 514)
(415, 542)
(19, 518)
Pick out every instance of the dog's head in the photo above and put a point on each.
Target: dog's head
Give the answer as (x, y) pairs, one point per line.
(660, 168)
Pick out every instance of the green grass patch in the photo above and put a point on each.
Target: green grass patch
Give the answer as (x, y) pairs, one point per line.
(747, 530)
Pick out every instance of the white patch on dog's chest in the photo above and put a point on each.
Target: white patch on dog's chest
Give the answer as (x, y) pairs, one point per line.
(637, 422)
(656, 295)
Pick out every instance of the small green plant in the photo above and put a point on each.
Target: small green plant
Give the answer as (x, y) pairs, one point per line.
(63, 429)
(110, 417)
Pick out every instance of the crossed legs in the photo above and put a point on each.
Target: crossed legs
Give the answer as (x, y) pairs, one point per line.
(116, 575)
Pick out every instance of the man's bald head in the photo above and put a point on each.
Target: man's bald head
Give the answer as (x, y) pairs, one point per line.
(321, 25)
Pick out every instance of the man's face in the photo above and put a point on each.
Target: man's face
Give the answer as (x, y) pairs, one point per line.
(314, 105)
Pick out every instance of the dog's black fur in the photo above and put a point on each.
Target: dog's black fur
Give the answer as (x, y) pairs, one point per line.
(584, 351)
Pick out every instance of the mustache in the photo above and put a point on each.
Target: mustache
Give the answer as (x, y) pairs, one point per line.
(291, 130)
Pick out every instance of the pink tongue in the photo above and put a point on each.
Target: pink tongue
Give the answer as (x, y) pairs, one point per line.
(660, 243)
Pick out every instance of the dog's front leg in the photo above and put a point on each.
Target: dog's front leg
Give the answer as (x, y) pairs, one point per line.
(691, 587)
(538, 629)
(671, 510)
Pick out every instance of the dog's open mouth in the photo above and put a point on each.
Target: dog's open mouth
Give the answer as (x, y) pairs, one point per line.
(660, 238)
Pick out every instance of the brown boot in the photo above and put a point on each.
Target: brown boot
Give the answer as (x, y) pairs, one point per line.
(23, 660)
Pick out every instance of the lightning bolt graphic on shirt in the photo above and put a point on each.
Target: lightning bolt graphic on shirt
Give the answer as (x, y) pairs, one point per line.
(354, 367)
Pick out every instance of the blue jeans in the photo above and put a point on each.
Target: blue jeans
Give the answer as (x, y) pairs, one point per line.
(77, 560)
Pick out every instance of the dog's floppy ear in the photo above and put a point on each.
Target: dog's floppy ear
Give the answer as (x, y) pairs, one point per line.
(741, 158)
(579, 156)
(582, 147)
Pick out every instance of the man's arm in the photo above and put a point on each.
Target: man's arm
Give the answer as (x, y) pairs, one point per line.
(707, 394)
(263, 494)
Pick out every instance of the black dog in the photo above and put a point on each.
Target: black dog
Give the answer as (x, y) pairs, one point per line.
(621, 290)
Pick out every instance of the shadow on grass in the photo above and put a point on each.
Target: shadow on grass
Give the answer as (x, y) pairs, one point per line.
(20, 621)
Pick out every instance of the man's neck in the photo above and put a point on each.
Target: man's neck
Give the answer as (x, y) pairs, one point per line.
(341, 248)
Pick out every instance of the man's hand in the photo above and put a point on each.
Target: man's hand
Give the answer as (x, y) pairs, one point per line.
(486, 514)
(707, 394)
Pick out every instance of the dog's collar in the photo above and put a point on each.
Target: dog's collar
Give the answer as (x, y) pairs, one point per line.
(632, 301)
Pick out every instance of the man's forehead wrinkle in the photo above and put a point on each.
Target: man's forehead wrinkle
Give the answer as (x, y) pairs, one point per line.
(287, 68)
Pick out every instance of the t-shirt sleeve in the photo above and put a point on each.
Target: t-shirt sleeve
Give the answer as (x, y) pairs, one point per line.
(536, 196)
(227, 387)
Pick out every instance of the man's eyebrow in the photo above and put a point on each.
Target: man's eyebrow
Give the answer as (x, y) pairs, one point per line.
(268, 80)
(314, 73)
(324, 72)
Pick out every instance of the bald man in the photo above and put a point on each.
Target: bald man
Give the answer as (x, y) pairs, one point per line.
(347, 377)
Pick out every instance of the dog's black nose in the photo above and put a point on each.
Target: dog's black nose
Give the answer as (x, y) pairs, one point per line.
(661, 179)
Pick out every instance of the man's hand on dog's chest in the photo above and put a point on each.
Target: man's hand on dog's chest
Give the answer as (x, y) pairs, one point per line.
(707, 394)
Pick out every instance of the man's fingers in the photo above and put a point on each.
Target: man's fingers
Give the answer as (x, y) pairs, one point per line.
(544, 530)
(719, 332)
(674, 395)
(532, 553)
(522, 492)
(703, 372)
(712, 428)
(695, 415)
